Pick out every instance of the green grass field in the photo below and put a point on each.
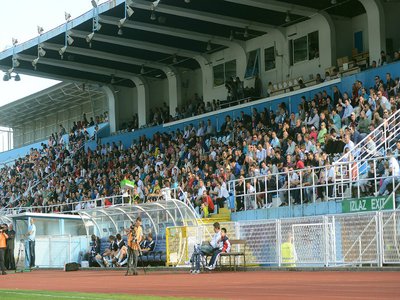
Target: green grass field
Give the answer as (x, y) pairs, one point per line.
(40, 295)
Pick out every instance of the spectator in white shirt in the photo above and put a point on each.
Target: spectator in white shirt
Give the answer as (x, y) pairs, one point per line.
(395, 173)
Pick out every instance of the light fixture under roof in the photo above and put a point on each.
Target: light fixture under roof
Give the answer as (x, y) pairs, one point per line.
(246, 33)
(35, 62)
(208, 48)
(287, 19)
(153, 16)
(174, 59)
(142, 70)
(121, 22)
(231, 36)
(41, 51)
(15, 63)
(94, 3)
(62, 50)
(129, 11)
(120, 32)
(89, 37)
(187, 1)
(333, 2)
(70, 40)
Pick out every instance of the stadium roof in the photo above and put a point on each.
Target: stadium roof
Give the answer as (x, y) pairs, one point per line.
(41, 104)
(157, 37)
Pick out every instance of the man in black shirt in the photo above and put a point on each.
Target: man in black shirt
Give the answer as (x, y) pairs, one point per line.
(9, 258)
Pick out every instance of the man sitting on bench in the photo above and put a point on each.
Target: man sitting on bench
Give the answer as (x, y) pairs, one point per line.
(226, 247)
(147, 245)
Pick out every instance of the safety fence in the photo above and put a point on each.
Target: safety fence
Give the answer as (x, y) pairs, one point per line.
(370, 238)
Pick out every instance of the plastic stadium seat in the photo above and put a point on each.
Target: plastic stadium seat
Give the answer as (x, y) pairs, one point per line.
(295, 82)
(285, 85)
(275, 86)
(280, 86)
(290, 83)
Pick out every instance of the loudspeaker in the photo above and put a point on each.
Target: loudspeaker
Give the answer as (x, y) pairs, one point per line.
(71, 267)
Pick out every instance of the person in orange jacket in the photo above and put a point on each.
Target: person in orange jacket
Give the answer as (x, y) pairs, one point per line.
(3, 245)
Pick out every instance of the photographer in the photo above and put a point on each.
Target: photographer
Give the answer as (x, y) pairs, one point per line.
(3, 245)
(134, 239)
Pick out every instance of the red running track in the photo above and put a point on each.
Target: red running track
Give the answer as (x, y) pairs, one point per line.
(219, 285)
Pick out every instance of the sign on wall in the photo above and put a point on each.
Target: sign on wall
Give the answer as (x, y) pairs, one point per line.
(367, 204)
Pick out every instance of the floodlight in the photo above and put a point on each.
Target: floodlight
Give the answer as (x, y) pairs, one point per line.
(333, 2)
(67, 16)
(121, 22)
(153, 16)
(89, 37)
(120, 32)
(40, 29)
(155, 4)
(62, 50)
(246, 33)
(35, 61)
(70, 40)
(6, 77)
(17, 78)
(187, 1)
(142, 70)
(94, 3)
(287, 19)
(14, 41)
(41, 51)
(129, 11)
(208, 46)
(15, 63)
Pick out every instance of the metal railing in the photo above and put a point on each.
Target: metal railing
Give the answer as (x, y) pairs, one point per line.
(377, 142)
(70, 207)
(339, 181)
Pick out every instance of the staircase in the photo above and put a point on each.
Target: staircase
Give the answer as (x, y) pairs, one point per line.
(224, 215)
(377, 142)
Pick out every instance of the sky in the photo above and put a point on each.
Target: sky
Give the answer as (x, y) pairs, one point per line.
(19, 19)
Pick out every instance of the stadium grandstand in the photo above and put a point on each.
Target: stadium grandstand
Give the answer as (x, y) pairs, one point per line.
(279, 120)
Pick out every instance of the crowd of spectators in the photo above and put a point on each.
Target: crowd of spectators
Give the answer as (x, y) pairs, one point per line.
(201, 161)
(34, 180)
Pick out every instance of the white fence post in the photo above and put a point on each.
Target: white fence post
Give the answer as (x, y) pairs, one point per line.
(278, 242)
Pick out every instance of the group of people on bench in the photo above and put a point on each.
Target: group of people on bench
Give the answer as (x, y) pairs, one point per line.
(116, 255)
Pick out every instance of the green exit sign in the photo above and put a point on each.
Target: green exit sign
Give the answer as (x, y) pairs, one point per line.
(367, 204)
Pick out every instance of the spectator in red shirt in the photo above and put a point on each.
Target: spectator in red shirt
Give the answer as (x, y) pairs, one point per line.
(208, 202)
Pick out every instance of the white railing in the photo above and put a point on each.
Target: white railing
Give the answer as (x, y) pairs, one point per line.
(377, 142)
(70, 207)
(349, 180)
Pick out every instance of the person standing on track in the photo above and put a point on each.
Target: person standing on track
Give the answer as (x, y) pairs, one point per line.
(134, 239)
(3, 245)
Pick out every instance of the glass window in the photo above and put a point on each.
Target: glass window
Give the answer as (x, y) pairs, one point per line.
(230, 69)
(252, 63)
(218, 75)
(300, 49)
(313, 45)
(269, 58)
(223, 72)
